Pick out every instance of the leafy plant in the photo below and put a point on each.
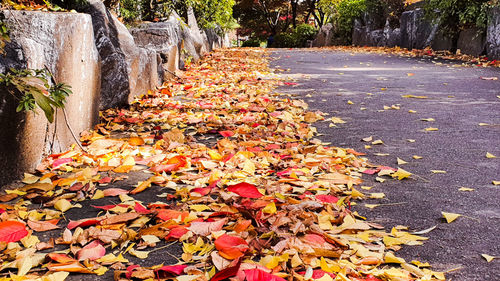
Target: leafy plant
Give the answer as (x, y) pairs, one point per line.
(34, 89)
(346, 11)
(303, 33)
(252, 42)
(454, 15)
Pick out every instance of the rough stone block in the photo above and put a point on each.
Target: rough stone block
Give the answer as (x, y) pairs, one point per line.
(324, 36)
(493, 34)
(472, 41)
(64, 43)
(127, 70)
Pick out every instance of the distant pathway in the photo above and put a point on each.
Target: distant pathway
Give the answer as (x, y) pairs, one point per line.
(357, 87)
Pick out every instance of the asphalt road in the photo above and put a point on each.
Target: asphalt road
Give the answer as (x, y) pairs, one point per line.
(357, 86)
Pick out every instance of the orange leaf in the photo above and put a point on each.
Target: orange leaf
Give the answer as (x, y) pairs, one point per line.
(145, 184)
(136, 141)
(242, 225)
(69, 267)
(231, 247)
(119, 218)
(12, 231)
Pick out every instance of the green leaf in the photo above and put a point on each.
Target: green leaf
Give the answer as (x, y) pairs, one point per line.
(45, 104)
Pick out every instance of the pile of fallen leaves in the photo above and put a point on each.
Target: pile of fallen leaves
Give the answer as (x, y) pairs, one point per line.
(232, 174)
(467, 60)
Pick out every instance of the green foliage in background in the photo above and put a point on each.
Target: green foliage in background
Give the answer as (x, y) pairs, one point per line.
(252, 42)
(455, 15)
(297, 38)
(345, 12)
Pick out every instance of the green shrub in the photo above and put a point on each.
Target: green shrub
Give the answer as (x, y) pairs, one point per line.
(302, 33)
(455, 15)
(285, 40)
(252, 42)
(346, 11)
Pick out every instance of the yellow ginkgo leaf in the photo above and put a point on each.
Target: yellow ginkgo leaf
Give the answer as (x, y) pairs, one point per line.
(489, 155)
(428, 119)
(401, 174)
(349, 102)
(450, 217)
(483, 124)
(411, 140)
(377, 142)
(430, 129)
(496, 182)
(417, 157)
(412, 111)
(488, 258)
(465, 189)
(377, 195)
(368, 139)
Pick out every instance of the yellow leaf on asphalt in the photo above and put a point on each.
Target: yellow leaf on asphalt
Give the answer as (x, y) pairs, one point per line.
(465, 189)
(62, 205)
(29, 178)
(100, 271)
(450, 217)
(401, 161)
(438, 172)
(410, 140)
(430, 129)
(488, 258)
(412, 111)
(414, 97)
(366, 187)
(98, 194)
(139, 254)
(337, 120)
(111, 258)
(428, 119)
(377, 142)
(214, 154)
(349, 102)
(199, 207)
(496, 182)
(489, 155)
(401, 174)
(368, 139)
(371, 206)
(377, 195)
(417, 157)
(379, 179)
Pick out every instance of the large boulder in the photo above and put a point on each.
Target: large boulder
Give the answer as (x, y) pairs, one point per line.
(416, 32)
(359, 34)
(472, 41)
(64, 44)
(493, 34)
(392, 35)
(324, 36)
(164, 38)
(195, 40)
(127, 70)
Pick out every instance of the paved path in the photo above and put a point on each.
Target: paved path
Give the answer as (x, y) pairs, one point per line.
(340, 83)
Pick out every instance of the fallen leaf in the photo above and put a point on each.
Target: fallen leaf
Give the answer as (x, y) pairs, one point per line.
(450, 217)
(401, 174)
(92, 251)
(12, 231)
(438, 172)
(466, 189)
(401, 161)
(206, 228)
(431, 129)
(489, 155)
(43, 225)
(231, 247)
(62, 205)
(488, 258)
(245, 190)
(417, 157)
(489, 78)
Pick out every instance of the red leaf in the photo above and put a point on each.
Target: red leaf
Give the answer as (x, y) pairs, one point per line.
(176, 232)
(201, 190)
(327, 198)
(105, 207)
(318, 273)
(226, 134)
(260, 275)
(171, 214)
(12, 231)
(69, 267)
(227, 272)
(92, 251)
(141, 209)
(245, 190)
(105, 180)
(231, 247)
(83, 222)
(174, 269)
(61, 161)
(130, 270)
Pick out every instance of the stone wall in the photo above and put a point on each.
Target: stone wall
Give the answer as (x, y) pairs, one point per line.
(64, 43)
(415, 32)
(106, 65)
